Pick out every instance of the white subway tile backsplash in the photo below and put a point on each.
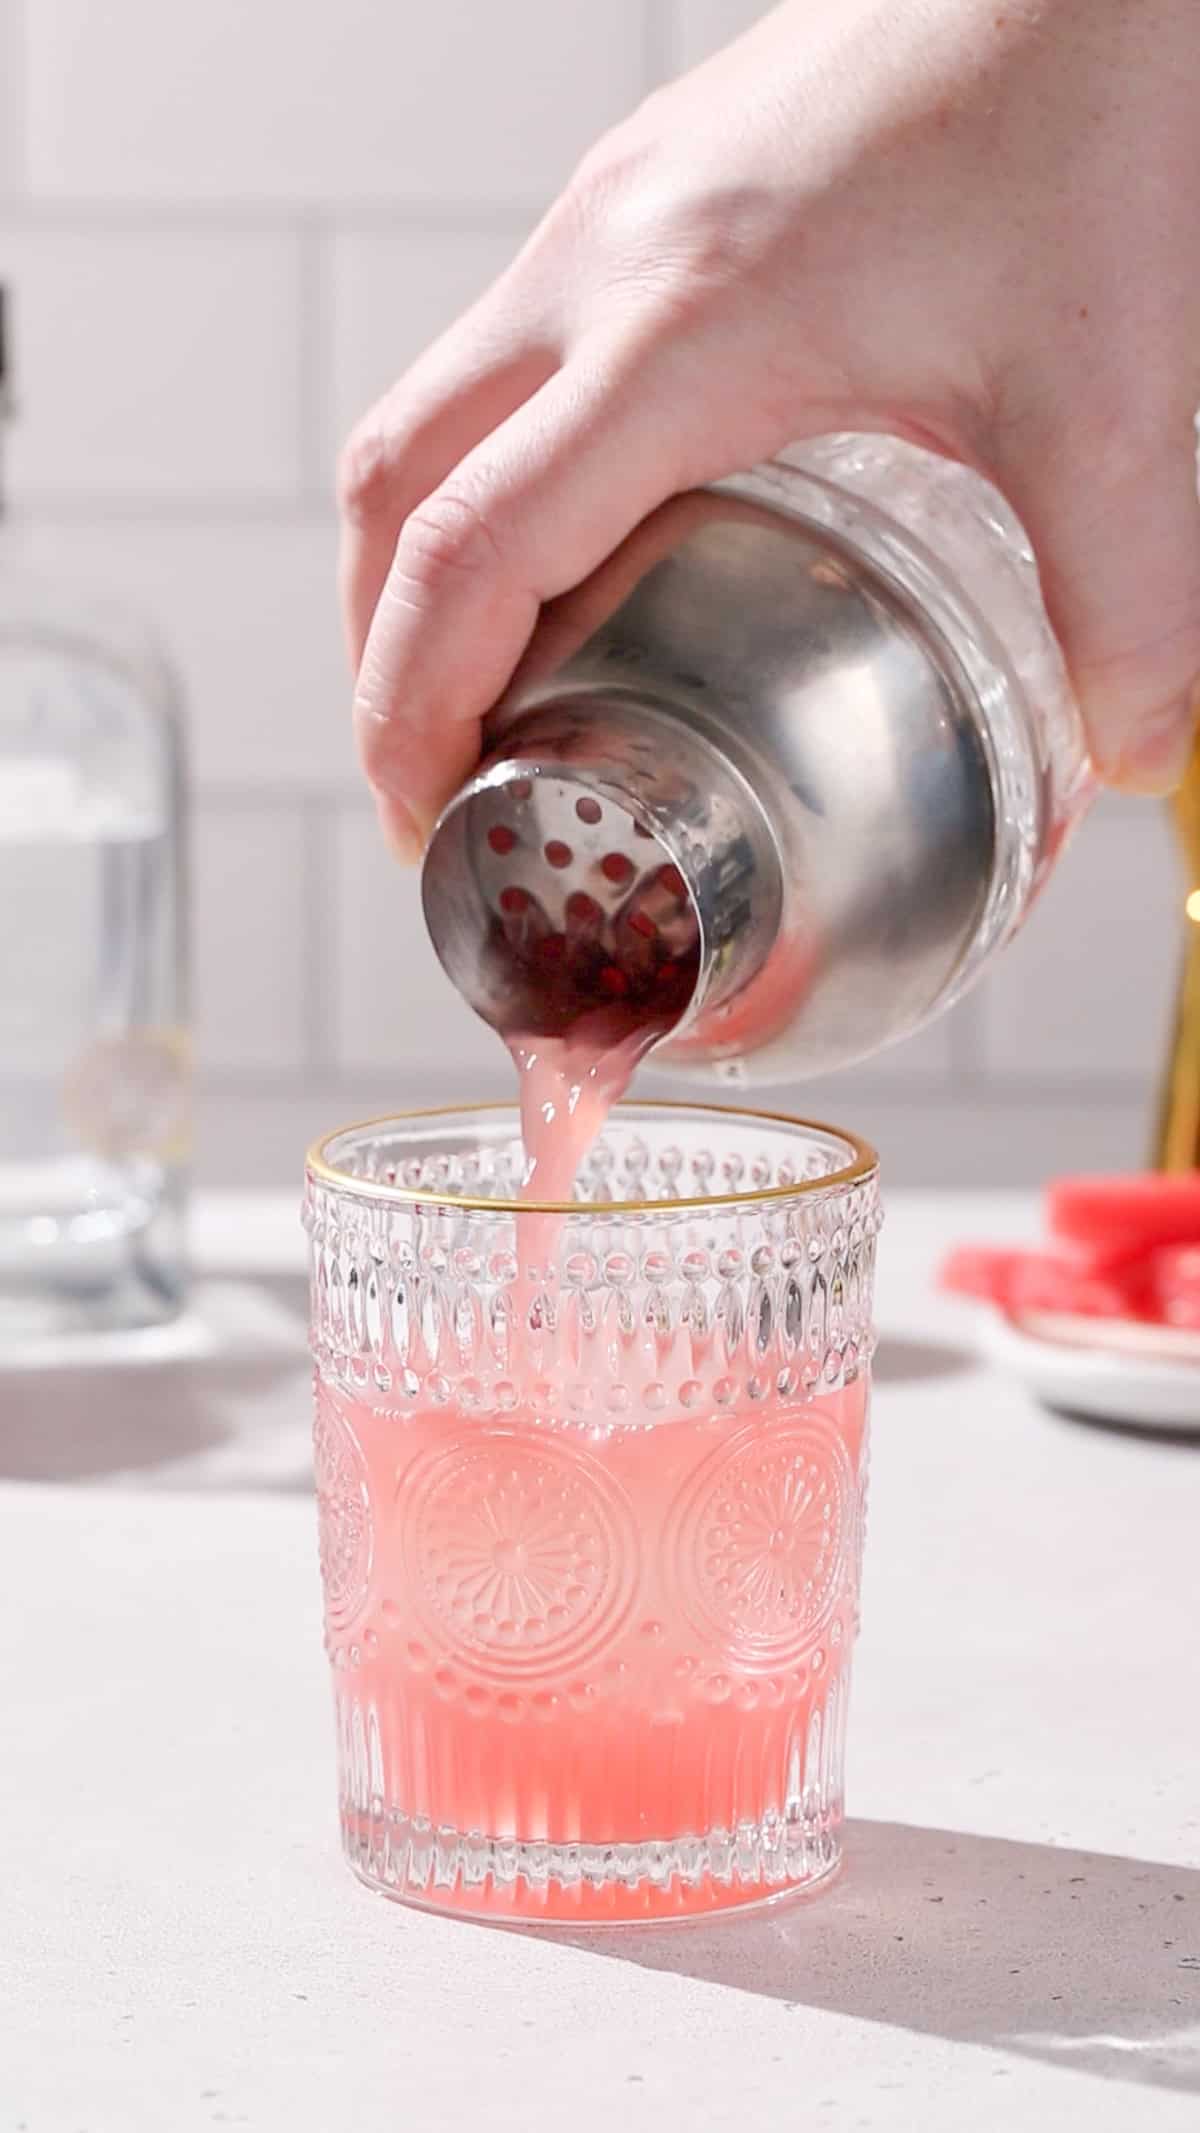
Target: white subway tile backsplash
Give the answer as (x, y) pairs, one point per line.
(391, 292)
(1086, 991)
(921, 1072)
(12, 126)
(699, 27)
(255, 1136)
(249, 614)
(392, 1009)
(976, 1138)
(921, 1060)
(228, 229)
(153, 365)
(268, 100)
(249, 937)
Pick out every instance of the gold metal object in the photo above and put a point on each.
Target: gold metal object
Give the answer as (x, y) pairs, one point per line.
(1177, 1140)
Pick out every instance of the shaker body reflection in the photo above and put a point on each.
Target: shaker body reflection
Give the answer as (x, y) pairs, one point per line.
(813, 727)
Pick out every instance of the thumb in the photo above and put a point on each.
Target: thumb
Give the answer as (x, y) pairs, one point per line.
(1118, 548)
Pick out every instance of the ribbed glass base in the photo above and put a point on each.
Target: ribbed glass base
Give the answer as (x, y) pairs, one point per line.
(595, 1884)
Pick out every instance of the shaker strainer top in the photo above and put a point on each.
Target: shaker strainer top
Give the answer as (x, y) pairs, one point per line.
(583, 909)
(604, 863)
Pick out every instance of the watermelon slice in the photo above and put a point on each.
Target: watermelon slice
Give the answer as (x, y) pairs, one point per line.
(1174, 1285)
(1119, 1248)
(1137, 1213)
(981, 1271)
(1043, 1283)
(1019, 1281)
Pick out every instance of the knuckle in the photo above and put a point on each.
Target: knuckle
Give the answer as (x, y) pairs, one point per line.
(716, 233)
(449, 536)
(613, 166)
(364, 473)
(383, 735)
(683, 247)
(672, 234)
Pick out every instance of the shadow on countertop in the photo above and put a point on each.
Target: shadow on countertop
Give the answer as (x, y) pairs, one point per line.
(220, 1401)
(900, 1361)
(229, 1408)
(1077, 1959)
(1184, 1440)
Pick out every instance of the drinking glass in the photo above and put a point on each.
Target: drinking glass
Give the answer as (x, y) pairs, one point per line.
(591, 1485)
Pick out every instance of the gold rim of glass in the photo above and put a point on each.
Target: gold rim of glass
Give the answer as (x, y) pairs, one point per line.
(864, 1165)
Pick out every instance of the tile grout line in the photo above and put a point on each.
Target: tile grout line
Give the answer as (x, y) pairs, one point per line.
(16, 113)
(315, 912)
(658, 43)
(967, 1066)
(258, 218)
(897, 1096)
(252, 797)
(314, 340)
(47, 512)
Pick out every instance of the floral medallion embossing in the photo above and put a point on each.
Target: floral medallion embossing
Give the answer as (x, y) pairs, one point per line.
(761, 1537)
(343, 1512)
(521, 1553)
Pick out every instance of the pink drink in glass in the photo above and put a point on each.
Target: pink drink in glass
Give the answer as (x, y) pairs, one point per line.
(534, 1665)
(591, 1572)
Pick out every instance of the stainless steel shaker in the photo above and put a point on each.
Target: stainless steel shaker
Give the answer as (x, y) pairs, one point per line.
(777, 780)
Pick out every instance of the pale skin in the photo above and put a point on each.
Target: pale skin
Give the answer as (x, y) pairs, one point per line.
(974, 225)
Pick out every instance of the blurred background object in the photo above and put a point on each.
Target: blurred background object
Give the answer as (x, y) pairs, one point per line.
(1178, 1142)
(94, 1068)
(229, 229)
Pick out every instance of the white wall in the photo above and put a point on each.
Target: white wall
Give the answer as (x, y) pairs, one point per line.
(227, 227)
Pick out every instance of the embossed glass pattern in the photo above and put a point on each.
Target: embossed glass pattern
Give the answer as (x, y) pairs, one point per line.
(591, 1492)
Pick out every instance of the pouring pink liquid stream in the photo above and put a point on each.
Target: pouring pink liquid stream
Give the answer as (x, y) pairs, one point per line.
(659, 1742)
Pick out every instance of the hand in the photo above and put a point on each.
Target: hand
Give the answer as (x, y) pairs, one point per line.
(970, 224)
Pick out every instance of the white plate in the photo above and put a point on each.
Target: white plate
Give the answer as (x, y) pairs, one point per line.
(1114, 1370)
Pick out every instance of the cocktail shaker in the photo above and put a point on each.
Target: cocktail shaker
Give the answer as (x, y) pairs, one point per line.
(777, 781)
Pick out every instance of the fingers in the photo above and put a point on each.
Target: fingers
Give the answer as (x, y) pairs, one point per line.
(1120, 565)
(459, 390)
(527, 514)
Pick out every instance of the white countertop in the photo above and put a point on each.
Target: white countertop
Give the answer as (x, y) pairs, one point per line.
(1015, 1942)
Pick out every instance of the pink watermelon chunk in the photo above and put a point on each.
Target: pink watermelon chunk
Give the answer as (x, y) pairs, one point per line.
(1020, 1281)
(1174, 1285)
(1136, 1213)
(982, 1271)
(1119, 1247)
(1043, 1283)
